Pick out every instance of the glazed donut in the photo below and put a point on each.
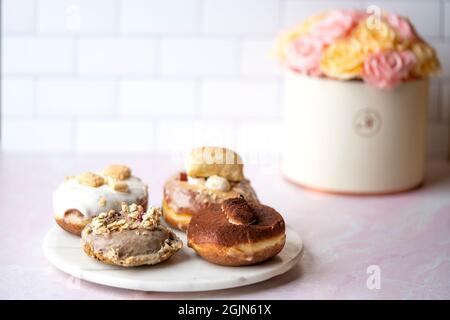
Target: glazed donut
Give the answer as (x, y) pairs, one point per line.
(79, 198)
(213, 174)
(129, 238)
(237, 233)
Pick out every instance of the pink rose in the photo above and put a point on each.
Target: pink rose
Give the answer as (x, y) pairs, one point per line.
(387, 69)
(336, 24)
(303, 55)
(402, 26)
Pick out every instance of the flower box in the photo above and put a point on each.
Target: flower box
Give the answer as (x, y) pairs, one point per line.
(348, 137)
(356, 93)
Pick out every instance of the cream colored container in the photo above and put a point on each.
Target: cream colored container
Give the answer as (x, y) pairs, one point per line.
(349, 137)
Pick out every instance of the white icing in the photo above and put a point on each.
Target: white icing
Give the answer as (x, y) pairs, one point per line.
(217, 183)
(196, 181)
(72, 195)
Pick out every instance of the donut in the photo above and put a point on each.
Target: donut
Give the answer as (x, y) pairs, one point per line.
(80, 198)
(213, 174)
(130, 237)
(237, 233)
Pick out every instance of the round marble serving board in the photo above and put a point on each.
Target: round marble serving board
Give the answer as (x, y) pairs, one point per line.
(183, 272)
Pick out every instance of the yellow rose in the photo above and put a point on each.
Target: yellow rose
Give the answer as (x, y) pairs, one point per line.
(375, 35)
(343, 59)
(294, 33)
(427, 61)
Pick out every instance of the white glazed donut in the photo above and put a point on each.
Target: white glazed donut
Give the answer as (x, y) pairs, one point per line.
(78, 199)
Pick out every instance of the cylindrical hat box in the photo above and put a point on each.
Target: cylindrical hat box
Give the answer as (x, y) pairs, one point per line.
(350, 137)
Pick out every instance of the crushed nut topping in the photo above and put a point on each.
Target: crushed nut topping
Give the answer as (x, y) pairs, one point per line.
(91, 179)
(117, 171)
(131, 217)
(118, 186)
(102, 202)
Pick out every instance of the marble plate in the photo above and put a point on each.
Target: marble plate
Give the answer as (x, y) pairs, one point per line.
(183, 272)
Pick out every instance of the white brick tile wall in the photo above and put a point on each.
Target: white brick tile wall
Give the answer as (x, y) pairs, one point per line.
(445, 101)
(72, 97)
(258, 57)
(434, 100)
(424, 14)
(438, 132)
(37, 135)
(18, 16)
(31, 55)
(240, 16)
(116, 56)
(166, 75)
(157, 98)
(258, 136)
(294, 11)
(197, 56)
(178, 136)
(236, 99)
(17, 96)
(447, 18)
(443, 51)
(76, 16)
(112, 136)
(155, 16)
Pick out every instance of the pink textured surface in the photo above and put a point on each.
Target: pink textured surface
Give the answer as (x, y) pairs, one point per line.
(407, 235)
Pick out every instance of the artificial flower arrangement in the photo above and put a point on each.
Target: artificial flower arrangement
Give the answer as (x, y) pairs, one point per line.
(383, 50)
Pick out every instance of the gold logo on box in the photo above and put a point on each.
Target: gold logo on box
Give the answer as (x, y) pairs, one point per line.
(367, 123)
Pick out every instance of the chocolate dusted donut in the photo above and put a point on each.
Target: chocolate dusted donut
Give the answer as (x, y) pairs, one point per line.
(237, 233)
(213, 174)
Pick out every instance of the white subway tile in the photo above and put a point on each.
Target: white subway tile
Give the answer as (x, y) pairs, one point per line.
(196, 56)
(433, 100)
(443, 52)
(294, 12)
(28, 55)
(76, 16)
(259, 137)
(17, 96)
(156, 16)
(74, 97)
(425, 15)
(116, 56)
(447, 19)
(438, 140)
(179, 136)
(240, 16)
(258, 58)
(36, 135)
(18, 16)
(114, 136)
(445, 101)
(157, 98)
(235, 99)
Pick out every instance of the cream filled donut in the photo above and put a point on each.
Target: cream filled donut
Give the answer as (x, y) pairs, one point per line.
(80, 198)
(213, 174)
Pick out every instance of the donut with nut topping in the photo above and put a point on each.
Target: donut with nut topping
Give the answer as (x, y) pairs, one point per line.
(130, 237)
(80, 198)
